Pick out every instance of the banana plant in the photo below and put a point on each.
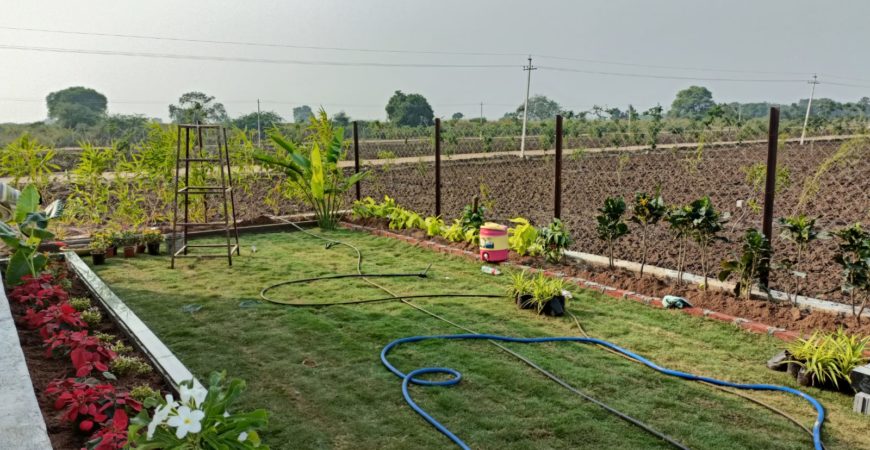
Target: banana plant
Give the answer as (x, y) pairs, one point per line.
(23, 234)
(314, 169)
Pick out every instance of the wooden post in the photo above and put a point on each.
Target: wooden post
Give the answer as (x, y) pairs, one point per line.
(770, 184)
(557, 190)
(356, 156)
(437, 167)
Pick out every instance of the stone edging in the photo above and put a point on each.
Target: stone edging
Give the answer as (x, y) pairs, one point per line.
(655, 302)
(169, 366)
(21, 421)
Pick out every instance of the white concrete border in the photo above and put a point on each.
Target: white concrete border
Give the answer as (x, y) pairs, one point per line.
(21, 423)
(172, 369)
(810, 303)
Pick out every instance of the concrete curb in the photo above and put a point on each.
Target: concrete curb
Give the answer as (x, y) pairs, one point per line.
(21, 422)
(169, 366)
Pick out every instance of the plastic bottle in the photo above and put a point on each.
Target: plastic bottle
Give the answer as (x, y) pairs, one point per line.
(490, 270)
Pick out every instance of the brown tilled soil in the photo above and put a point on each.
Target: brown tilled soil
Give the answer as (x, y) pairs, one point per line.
(525, 188)
(782, 315)
(64, 435)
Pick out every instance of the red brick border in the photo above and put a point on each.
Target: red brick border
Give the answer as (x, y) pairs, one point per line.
(655, 302)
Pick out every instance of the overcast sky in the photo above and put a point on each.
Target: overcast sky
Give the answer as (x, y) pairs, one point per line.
(779, 40)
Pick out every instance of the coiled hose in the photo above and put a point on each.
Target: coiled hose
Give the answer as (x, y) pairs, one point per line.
(410, 377)
(456, 376)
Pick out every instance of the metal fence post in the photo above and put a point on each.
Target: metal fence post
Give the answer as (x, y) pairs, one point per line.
(770, 185)
(356, 155)
(557, 190)
(437, 167)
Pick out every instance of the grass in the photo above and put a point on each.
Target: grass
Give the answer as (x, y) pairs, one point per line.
(318, 373)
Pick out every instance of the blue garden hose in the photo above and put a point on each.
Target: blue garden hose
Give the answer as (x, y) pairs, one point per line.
(456, 376)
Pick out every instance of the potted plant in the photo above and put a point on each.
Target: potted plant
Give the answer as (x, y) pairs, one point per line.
(140, 243)
(99, 245)
(520, 290)
(128, 239)
(548, 295)
(114, 238)
(152, 238)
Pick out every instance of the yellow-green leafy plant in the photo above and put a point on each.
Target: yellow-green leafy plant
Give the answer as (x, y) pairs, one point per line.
(454, 232)
(125, 365)
(828, 357)
(520, 284)
(92, 316)
(143, 392)
(433, 225)
(313, 168)
(24, 158)
(522, 237)
(80, 303)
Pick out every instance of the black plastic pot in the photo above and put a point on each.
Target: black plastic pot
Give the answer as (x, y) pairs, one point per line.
(525, 301)
(554, 307)
(153, 248)
(98, 258)
(805, 379)
(793, 369)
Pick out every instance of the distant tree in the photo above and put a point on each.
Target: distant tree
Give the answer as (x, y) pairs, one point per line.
(267, 120)
(196, 107)
(616, 114)
(409, 110)
(692, 103)
(540, 108)
(457, 116)
(76, 106)
(125, 128)
(301, 114)
(341, 119)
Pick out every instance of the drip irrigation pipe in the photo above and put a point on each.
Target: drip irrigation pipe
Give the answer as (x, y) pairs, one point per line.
(456, 376)
(494, 339)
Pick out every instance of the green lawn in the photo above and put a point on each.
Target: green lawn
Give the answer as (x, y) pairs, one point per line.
(318, 372)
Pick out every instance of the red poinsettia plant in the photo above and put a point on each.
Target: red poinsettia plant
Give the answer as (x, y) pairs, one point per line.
(89, 404)
(38, 292)
(112, 436)
(53, 319)
(86, 352)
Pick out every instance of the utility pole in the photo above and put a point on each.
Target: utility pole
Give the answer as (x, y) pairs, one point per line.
(481, 120)
(528, 68)
(259, 132)
(809, 105)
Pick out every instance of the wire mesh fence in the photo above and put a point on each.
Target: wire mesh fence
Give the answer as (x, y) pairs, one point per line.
(827, 178)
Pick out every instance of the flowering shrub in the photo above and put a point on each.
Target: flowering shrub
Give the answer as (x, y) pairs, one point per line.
(200, 419)
(38, 291)
(88, 404)
(53, 319)
(113, 436)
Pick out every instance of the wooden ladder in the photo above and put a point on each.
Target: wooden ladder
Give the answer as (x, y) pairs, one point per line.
(217, 154)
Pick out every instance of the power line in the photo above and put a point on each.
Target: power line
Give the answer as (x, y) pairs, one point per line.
(671, 77)
(406, 51)
(657, 66)
(250, 60)
(261, 44)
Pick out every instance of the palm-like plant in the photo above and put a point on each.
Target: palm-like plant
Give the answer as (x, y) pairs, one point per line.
(648, 210)
(313, 169)
(610, 224)
(800, 230)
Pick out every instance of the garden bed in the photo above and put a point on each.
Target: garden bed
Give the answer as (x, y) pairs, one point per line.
(316, 369)
(63, 433)
(777, 314)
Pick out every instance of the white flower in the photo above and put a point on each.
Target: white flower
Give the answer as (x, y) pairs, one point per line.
(226, 413)
(186, 421)
(160, 414)
(567, 294)
(243, 436)
(198, 394)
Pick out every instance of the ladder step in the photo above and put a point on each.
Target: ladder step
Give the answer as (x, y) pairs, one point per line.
(194, 224)
(203, 190)
(180, 251)
(215, 160)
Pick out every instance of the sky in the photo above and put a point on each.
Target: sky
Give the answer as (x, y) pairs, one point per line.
(611, 43)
